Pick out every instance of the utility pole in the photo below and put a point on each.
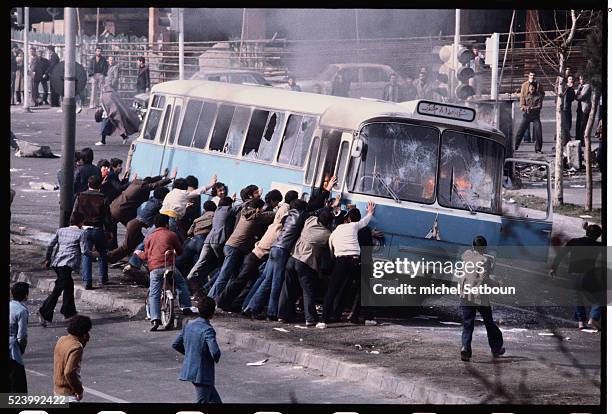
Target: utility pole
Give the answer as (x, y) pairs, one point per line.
(453, 79)
(26, 60)
(181, 38)
(69, 112)
(97, 24)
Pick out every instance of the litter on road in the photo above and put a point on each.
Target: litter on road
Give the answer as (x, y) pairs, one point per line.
(449, 323)
(546, 334)
(281, 330)
(257, 363)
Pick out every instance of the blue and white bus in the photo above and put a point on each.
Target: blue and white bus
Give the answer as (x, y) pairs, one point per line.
(433, 170)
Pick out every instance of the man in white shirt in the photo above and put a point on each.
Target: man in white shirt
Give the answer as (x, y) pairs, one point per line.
(344, 246)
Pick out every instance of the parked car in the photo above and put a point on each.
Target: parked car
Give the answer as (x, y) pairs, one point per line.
(244, 76)
(367, 79)
(231, 76)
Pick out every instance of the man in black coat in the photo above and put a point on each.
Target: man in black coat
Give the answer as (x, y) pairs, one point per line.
(53, 60)
(44, 80)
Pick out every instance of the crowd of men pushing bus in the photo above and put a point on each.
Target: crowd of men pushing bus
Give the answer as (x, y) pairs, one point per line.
(257, 254)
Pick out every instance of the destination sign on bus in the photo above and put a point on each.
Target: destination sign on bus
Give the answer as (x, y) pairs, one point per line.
(460, 113)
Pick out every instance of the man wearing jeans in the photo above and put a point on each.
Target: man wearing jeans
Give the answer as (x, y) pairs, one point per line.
(157, 245)
(98, 68)
(531, 105)
(98, 224)
(274, 273)
(472, 302)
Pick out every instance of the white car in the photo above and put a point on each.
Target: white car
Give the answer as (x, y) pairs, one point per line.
(367, 79)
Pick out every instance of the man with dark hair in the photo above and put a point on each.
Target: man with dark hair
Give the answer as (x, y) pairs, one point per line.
(196, 235)
(98, 68)
(67, 358)
(125, 207)
(18, 337)
(272, 199)
(218, 191)
(248, 272)
(71, 242)
(477, 268)
(567, 98)
(212, 252)
(86, 170)
(301, 272)
(252, 223)
(143, 82)
(583, 109)
(156, 246)
(292, 85)
(53, 60)
(344, 246)
(98, 225)
(144, 219)
(393, 91)
(531, 106)
(198, 342)
(274, 273)
(584, 260)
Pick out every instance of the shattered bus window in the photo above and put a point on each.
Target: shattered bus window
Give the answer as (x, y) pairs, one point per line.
(399, 160)
(469, 172)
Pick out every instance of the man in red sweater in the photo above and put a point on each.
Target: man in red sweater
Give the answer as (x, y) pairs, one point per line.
(155, 247)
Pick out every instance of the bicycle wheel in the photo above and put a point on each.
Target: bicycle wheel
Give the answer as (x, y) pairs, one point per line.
(167, 309)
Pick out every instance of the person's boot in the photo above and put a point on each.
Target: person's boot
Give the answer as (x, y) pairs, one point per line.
(499, 353)
(465, 355)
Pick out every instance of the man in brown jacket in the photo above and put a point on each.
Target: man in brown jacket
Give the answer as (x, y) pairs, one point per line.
(67, 358)
(531, 105)
(124, 207)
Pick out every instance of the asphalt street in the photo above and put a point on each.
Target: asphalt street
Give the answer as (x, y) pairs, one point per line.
(124, 362)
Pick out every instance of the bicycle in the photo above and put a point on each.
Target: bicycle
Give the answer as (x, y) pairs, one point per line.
(168, 297)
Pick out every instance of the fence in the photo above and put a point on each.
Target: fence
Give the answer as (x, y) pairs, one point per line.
(275, 58)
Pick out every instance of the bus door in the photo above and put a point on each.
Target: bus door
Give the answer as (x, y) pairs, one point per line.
(527, 216)
(325, 150)
(169, 132)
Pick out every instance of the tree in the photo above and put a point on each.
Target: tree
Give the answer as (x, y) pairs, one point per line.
(553, 49)
(594, 47)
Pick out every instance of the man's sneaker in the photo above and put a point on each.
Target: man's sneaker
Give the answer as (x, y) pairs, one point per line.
(321, 325)
(581, 325)
(100, 143)
(59, 111)
(465, 355)
(79, 109)
(499, 353)
(310, 324)
(155, 323)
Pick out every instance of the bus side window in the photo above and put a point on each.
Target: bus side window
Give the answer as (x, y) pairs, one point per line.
(296, 141)
(205, 123)
(341, 167)
(162, 136)
(222, 125)
(155, 113)
(190, 120)
(312, 161)
(175, 119)
(263, 136)
(259, 120)
(238, 127)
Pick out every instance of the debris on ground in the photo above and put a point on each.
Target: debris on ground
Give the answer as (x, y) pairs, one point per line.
(29, 149)
(35, 185)
(257, 363)
(281, 330)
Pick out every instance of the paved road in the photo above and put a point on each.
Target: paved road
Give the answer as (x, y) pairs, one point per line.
(124, 362)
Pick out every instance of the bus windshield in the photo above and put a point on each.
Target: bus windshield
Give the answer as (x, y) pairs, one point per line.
(470, 172)
(398, 161)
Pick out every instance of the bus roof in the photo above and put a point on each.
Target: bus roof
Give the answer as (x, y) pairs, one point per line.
(335, 112)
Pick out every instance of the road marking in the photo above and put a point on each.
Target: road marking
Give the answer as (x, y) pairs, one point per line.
(105, 396)
(89, 390)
